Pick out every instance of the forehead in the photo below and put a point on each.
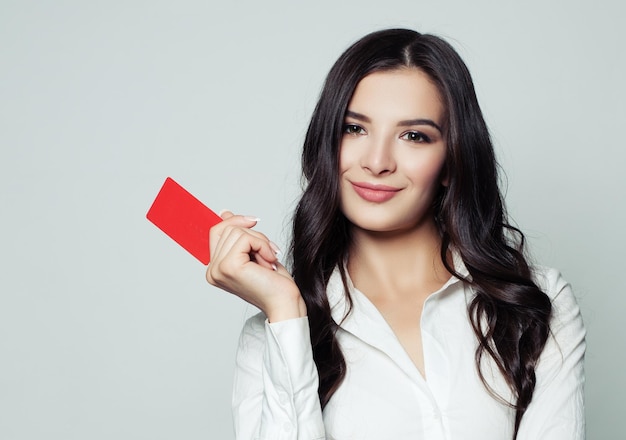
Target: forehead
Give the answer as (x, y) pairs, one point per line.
(405, 93)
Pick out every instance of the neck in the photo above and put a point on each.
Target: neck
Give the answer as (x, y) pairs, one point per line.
(397, 262)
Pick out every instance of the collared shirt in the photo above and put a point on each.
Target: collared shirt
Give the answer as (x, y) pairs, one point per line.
(384, 396)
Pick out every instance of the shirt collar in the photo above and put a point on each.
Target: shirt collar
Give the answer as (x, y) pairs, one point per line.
(365, 321)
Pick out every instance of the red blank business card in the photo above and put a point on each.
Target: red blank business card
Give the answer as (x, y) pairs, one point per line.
(184, 218)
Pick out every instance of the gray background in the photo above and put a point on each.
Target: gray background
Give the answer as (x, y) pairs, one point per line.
(109, 330)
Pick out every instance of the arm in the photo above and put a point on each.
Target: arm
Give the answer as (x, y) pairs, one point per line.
(275, 393)
(557, 409)
(275, 387)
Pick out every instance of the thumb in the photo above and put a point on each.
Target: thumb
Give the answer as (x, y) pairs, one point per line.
(225, 213)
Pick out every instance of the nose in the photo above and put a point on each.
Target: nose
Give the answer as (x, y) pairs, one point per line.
(378, 157)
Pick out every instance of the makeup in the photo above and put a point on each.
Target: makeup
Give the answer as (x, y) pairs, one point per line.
(374, 193)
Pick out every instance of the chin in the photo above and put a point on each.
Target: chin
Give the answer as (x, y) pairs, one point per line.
(394, 225)
(386, 227)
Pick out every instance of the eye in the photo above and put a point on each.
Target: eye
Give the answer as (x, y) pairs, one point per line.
(416, 136)
(353, 129)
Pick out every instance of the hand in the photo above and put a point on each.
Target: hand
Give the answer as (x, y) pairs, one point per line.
(244, 262)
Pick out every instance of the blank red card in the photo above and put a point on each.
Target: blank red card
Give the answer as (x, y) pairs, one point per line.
(184, 218)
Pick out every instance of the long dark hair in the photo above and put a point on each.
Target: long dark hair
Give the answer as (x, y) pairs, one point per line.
(509, 313)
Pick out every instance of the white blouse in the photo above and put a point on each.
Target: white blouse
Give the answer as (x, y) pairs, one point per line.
(383, 395)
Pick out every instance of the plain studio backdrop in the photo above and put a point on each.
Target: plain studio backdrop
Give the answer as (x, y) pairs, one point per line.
(109, 330)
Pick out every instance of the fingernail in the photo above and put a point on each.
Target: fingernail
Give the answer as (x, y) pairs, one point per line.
(222, 212)
(274, 267)
(251, 218)
(275, 248)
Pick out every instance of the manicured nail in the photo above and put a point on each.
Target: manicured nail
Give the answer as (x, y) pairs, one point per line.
(274, 267)
(251, 218)
(276, 249)
(222, 212)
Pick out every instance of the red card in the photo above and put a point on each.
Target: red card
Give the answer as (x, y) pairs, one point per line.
(184, 218)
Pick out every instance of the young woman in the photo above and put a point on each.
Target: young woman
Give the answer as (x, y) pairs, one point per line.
(410, 311)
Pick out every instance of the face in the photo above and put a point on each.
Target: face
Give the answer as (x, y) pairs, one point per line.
(392, 152)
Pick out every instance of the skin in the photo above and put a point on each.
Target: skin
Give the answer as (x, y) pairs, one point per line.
(244, 262)
(392, 137)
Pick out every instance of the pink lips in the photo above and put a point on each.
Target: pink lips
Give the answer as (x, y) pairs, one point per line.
(374, 193)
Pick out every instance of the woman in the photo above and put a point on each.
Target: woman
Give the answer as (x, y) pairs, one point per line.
(412, 311)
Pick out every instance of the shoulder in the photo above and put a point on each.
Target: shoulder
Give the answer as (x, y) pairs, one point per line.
(550, 280)
(559, 291)
(556, 410)
(566, 324)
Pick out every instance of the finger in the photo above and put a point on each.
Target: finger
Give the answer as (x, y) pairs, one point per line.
(257, 258)
(282, 270)
(237, 248)
(240, 245)
(273, 246)
(227, 230)
(225, 241)
(225, 213)
(229, 236)
(231, 220)
(255, 244)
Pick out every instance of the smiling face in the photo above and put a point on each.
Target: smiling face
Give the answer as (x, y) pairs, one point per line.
(392, 152)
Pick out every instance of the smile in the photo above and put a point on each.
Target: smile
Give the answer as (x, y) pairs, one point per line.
(374, 193)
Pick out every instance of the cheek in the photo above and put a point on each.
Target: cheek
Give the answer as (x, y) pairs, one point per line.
(426, 172)
(345, 159)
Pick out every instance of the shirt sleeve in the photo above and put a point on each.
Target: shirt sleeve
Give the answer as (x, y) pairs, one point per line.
(557, 408)
(275, 385)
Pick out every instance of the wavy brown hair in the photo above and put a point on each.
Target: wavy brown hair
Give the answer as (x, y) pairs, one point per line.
(510, 314)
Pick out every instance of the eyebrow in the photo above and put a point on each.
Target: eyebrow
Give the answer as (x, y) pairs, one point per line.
(406, 123)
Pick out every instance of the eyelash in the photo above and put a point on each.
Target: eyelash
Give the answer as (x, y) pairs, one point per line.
(423, 139)
(355, 129)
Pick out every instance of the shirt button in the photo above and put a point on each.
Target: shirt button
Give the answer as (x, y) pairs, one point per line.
(287, 427)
